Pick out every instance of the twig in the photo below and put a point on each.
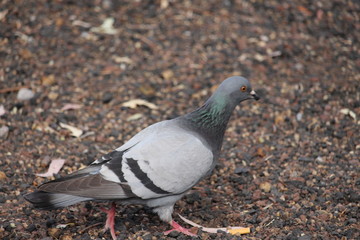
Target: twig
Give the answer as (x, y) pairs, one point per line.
(11, 89)
(147, 41)
(91, 226)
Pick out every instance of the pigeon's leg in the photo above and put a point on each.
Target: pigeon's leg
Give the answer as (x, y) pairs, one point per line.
(110, 220)
(177, 227)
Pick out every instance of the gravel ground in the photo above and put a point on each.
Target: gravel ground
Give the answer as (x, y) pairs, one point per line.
(290, 162)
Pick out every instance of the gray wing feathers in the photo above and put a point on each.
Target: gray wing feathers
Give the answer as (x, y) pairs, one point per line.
(47, 201)
(90, 186)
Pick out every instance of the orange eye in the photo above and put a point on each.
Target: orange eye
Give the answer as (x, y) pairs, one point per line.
(243, 88)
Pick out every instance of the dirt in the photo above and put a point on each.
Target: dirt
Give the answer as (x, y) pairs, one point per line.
(289, 168)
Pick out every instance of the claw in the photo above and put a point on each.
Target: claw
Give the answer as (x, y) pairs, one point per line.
(177, 227)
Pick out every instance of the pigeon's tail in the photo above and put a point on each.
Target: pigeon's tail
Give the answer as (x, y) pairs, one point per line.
(83, 185)
(47, 201)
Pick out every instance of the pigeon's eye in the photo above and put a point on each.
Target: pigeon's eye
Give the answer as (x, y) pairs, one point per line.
(243, 88)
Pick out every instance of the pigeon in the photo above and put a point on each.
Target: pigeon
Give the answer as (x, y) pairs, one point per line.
(157, 166)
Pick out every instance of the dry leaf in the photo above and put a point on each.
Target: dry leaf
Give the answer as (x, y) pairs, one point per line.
(136, 116)
(304, 10)
(347, 111)
(76, 132)
(231, 230)
(25, 53)
(81, 23)
(111, 69)
(118, 59)
(48, 80)
(55, 166)
(71, 106)
(107, 27)
(147, 89)
(139, 102)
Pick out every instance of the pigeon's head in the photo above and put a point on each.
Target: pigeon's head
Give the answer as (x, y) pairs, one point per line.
(237, 89)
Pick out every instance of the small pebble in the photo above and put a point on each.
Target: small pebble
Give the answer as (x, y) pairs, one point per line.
(304, 237)
(265, 186)
(239, 170)
(352, 220)
(319, 159)
(305, 159)
(66, 237)
(4, 131)
(25, 94)
(299, 116)
(54, 232)
(167, 74)
(45, 161)
(31, 228)
(107, 97)
(2, 110)
(2, 176)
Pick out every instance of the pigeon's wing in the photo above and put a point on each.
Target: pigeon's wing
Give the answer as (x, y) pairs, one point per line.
(163, 159)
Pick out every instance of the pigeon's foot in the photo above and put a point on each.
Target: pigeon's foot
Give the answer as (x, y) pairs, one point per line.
(177, 227)
(110, 220)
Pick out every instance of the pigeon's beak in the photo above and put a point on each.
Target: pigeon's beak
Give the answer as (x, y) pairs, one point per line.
(254, 95)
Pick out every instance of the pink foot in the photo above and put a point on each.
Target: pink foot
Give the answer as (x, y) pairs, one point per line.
(177, 227)
(110, 220)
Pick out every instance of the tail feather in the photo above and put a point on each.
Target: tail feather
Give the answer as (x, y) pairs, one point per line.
(83, 185)
(47, 201)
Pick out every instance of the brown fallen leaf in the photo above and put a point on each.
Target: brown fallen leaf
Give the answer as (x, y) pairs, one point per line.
(139, 102)
(304, 10)
(147, 90)
(25, 53)
(111, 69)
(54, 167)
(2, 176)
(48, 80)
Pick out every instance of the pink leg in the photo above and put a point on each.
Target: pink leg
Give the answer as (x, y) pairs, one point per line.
(177, 227)
(110, 220)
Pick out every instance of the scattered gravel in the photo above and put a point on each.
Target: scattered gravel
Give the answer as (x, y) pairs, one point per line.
(290, 162)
